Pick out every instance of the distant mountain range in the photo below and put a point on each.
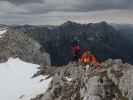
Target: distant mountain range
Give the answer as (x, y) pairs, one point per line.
(102, 39)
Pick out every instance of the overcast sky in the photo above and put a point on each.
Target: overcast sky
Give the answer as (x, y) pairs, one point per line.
(58, 11)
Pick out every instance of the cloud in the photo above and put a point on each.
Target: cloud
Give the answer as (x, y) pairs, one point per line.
(23, 1)
(33, 7)
(94, 5)
(57, 18)
(7, 8)
(44, 6)
(49, 11)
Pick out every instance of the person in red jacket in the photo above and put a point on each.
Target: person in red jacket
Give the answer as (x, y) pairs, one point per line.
(76, 51)
(85, 59)
(93, 59)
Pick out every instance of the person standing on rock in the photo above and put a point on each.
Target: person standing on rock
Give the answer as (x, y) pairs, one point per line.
(85, 58)
(76, 50)
(93, 59)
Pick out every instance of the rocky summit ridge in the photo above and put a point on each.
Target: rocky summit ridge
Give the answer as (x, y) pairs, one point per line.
(113, 81)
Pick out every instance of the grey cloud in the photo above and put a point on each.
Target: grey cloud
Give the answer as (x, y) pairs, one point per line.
(93, 5)
(78, 5)
(115, 16)
(24, 10)
(46, 6)
(23, 1)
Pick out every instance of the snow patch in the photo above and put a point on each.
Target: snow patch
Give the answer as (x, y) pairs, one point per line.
(69, 79)
(2, 32)
(16, 82)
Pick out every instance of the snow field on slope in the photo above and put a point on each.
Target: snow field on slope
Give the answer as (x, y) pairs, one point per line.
(16, 82)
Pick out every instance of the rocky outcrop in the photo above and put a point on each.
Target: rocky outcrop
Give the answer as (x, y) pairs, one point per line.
(122, 76)
(113, 81)
(18, 44)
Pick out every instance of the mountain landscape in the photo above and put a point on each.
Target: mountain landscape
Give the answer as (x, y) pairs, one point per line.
(66, 49)
(54, 77)
(20, 57)
(103, 39)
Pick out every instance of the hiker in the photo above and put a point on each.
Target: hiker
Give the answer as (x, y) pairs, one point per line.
(85, 59)
(93, 59)
(76, 50)
(94, 62)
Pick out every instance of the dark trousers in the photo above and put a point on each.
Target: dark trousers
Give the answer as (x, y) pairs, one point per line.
(76, 57)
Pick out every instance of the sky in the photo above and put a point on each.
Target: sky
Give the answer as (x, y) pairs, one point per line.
(55, 12)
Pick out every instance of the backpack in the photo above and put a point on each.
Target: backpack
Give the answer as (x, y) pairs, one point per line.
(85, 58)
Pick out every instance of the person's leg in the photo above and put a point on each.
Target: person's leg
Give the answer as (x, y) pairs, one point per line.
(77, 57)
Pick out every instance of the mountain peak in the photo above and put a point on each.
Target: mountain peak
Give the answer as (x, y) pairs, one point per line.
(68, 23)
(103, 23)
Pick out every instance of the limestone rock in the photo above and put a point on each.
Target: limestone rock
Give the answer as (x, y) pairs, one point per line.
(16, 44)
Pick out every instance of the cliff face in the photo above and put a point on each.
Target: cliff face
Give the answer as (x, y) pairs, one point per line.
(17, 44)
(76, 82)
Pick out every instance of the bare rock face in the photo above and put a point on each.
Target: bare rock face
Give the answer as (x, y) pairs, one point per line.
(122, 76)
(16, 44)
(113, 81)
